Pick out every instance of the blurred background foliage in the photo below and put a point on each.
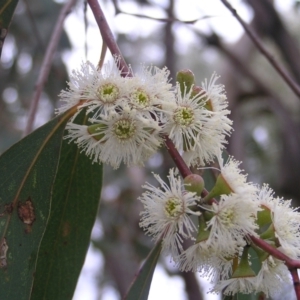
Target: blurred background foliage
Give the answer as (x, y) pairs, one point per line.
(265, 112)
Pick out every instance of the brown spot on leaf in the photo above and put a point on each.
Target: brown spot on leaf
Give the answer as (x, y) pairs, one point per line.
(26, 212)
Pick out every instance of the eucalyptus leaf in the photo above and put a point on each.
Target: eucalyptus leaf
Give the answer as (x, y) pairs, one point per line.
(139, 289)
(27, 174)
(74, 208)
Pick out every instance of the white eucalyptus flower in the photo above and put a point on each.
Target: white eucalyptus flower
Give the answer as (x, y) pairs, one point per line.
(156, 80)
(244, 285)
(186, 119)
(215, 130)
(236, 181)
(98, 90)
(149, 90)
(166, 213)
(123, 136)
(273, 277)
(285, 220)
(233, 219)
(196, 258)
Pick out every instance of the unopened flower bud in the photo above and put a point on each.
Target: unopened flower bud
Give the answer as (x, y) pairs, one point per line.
(194, 183)
(96, 130)
(186, 79)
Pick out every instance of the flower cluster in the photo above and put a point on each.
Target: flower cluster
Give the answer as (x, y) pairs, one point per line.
(128, 118)
(123, 112)
(219, 234)
(129, 115)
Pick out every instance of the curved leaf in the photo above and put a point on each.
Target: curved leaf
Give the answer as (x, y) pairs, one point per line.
(27, 174)
(74, 207)
(140, 287)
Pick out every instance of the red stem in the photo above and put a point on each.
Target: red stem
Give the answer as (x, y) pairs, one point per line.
(179, 162)
(107, 36)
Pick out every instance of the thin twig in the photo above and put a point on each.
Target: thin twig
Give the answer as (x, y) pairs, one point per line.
(283, 73)
(178, 160)
(107, 36)
(167, 20)
(46, 65)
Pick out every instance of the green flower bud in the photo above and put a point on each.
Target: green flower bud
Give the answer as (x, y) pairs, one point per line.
(94, 129)
(196, 90)
(194, 183)
(186, 79)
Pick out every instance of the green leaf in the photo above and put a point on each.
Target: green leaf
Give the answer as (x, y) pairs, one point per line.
(7, 9)
(27, 174)
(140, 287)
(74, 208)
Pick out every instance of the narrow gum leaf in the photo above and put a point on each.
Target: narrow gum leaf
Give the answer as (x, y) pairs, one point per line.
(75, 201)
(27, 174)
(139, 289)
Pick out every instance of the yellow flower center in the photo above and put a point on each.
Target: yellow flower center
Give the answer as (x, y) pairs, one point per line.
(173, 207)
(184, 116)
(124, 129)
(141, 98)
(108, 93)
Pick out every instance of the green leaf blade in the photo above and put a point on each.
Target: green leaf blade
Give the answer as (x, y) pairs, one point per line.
(139, 289)
(27, 172)
(74, 208)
